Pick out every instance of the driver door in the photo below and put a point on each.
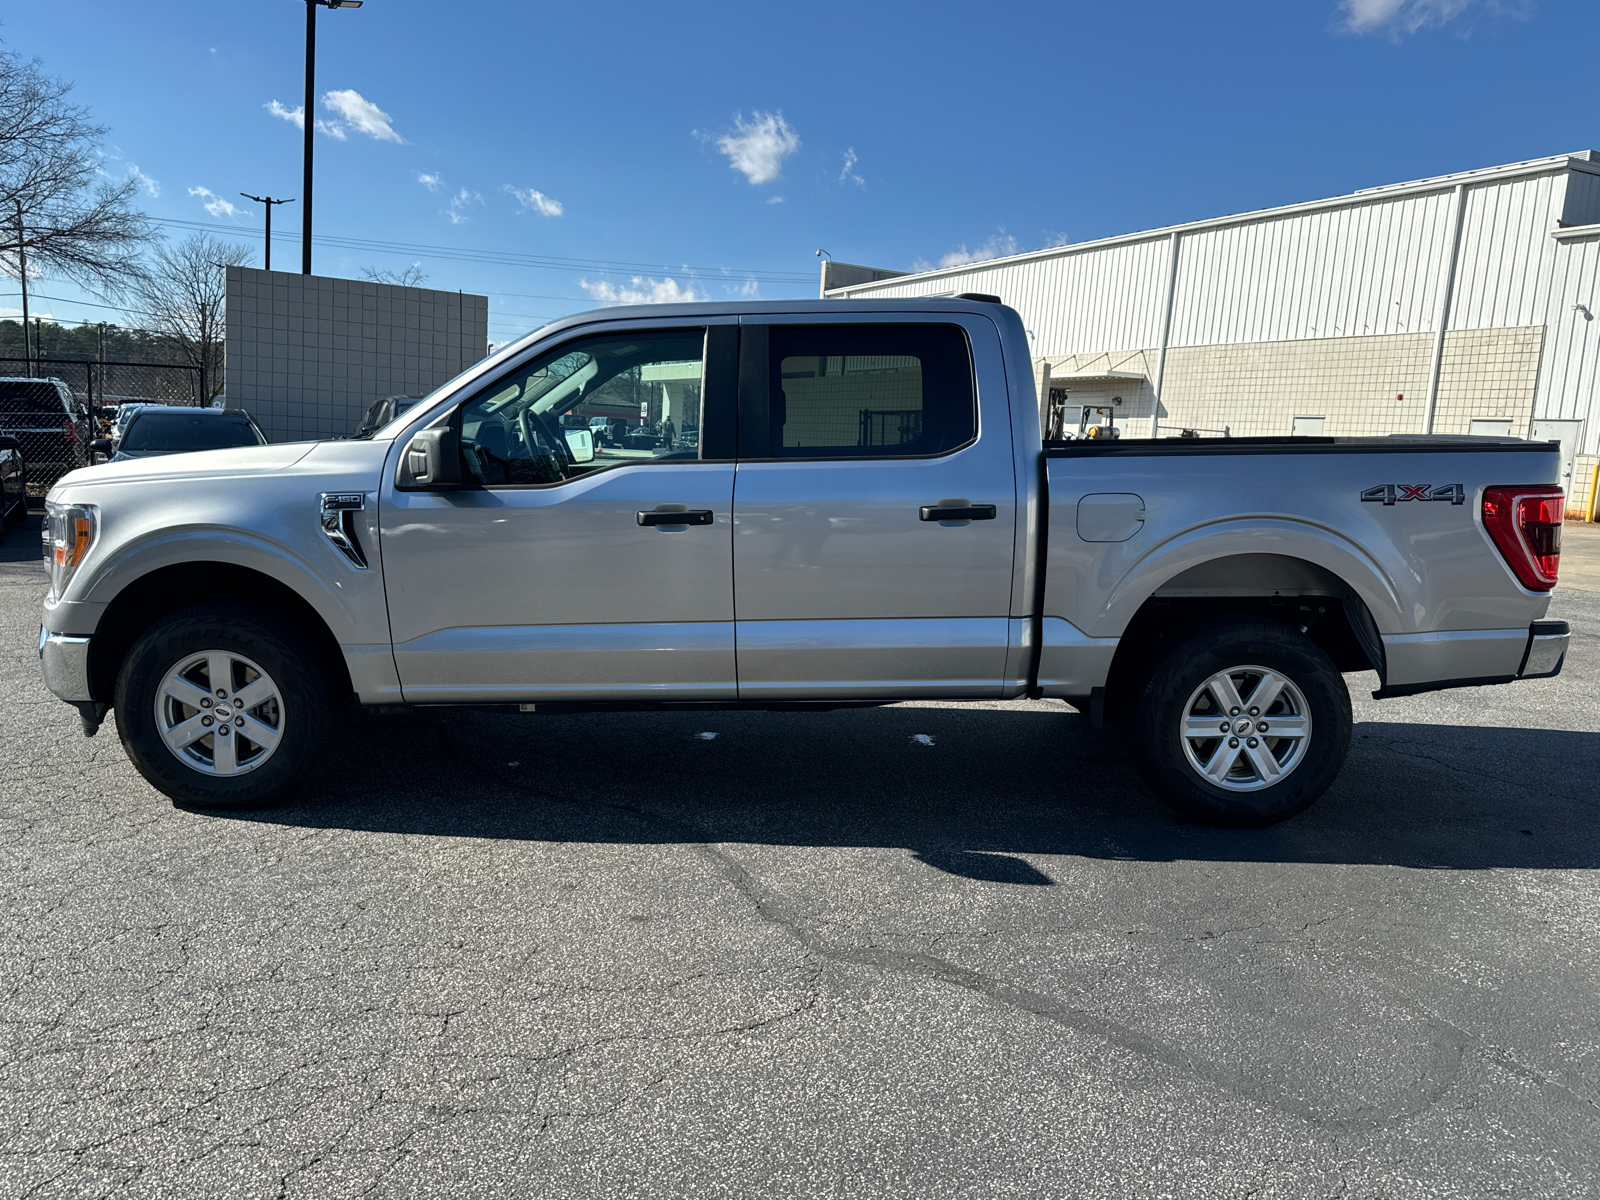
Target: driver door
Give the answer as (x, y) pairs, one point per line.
(563, 572)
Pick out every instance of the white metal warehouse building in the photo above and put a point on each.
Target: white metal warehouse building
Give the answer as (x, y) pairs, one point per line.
(1464, 303)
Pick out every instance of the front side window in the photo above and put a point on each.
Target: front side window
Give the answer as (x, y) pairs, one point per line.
(869, 390)
(599, 402)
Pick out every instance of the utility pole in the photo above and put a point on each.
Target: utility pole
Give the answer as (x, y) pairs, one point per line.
(269, 202)
(22, 273)
(311, 120)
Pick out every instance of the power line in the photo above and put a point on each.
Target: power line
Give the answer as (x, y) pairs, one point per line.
(506, 258)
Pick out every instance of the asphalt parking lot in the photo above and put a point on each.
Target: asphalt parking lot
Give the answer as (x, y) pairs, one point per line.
(918, 951)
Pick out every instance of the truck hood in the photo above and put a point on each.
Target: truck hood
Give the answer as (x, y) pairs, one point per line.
(233, 463)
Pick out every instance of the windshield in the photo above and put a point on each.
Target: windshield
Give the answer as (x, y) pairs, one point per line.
(176, 432)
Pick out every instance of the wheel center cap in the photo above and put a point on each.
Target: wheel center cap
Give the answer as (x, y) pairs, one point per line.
(1242, 728)
(224, 712)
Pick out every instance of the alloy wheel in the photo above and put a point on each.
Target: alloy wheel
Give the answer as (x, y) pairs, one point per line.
(219, 713)
(1245, 728)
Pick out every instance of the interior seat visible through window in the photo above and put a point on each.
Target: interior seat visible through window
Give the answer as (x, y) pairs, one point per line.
(536, 426)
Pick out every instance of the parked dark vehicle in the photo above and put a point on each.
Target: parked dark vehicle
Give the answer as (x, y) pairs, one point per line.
(13, 483)
(382, 412)
(155, 431)
(642, 438)
(51, 425)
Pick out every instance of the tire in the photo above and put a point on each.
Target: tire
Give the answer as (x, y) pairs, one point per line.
(1268, 778)
(172, 671)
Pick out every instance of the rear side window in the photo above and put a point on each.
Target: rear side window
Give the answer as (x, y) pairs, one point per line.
(24, 397)
(869, 391)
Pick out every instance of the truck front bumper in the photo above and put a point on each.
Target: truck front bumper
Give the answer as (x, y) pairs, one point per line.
(64, 663)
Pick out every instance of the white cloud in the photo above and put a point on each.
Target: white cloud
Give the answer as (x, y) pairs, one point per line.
(1399, 17)
(641, 291)
(358, 113)
(295, 116)
(848, 174)
(456, 211)
(536, 200)
(353, 112)
(433, 181)
(1056, 239)
(757, 147)
(998, 246)
(216, 205)
(749, 288)
(774, 199)
(148, 186)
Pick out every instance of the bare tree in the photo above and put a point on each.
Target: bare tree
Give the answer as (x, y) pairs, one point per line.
(182, 294)
(56, 207)
(412, 276)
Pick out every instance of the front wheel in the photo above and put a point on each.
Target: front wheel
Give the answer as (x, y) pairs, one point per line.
(1245, 723)
(223, 707)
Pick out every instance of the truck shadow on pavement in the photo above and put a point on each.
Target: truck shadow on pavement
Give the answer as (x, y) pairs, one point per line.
(968, 791)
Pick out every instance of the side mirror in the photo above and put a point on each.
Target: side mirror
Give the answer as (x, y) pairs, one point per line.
(100, 446)
(431, 462)
(581, 443)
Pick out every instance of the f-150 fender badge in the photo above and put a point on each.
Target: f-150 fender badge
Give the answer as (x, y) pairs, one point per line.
(1394, 493)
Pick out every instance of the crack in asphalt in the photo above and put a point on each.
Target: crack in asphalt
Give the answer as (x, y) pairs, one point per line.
(1448, 1043)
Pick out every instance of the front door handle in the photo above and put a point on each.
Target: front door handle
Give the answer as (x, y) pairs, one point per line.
(952, 512)
(690, 516)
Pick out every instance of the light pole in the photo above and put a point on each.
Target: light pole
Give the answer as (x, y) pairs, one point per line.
(269, 202)
(311, 120)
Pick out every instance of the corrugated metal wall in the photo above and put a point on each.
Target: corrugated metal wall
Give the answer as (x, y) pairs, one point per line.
(1372, 268)
(1372, 264)
(1089, 299)
(1507, 253)
(1583, 200)
(1569, 377)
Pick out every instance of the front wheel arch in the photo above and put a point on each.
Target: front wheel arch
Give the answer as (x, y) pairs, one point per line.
(165, 590)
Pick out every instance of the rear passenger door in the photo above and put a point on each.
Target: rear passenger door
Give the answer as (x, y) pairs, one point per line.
(847, 583)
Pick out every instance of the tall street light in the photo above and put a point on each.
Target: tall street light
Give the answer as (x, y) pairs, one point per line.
(269, 202)
(310, 119)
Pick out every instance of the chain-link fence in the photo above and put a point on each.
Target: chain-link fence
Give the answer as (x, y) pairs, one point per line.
(56, 407)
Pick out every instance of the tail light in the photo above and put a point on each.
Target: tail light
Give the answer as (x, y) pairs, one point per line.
(70, 429)
(1525, 523)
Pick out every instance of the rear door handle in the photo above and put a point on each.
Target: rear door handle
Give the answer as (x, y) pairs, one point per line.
(969, 512)
(692, 516)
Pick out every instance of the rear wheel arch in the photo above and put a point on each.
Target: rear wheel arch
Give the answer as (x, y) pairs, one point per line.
(1289, 591)
(167, 589)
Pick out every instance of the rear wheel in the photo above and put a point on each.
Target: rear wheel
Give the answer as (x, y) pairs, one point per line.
(1244, 723)
(223, 707)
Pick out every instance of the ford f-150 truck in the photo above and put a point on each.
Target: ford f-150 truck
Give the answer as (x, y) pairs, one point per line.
(867, 515)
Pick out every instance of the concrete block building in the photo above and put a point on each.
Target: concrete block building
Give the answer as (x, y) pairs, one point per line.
(1459, 304)
(307, 354)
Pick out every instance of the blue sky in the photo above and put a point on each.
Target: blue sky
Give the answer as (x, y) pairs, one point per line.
(718, 146)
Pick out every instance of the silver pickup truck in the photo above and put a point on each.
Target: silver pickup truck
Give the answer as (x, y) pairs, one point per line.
(812, 504)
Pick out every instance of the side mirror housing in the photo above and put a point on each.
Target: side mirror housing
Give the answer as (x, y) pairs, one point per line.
(100, 446)
(431, 462)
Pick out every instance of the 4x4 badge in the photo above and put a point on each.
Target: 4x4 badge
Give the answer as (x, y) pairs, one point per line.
(1392, 493)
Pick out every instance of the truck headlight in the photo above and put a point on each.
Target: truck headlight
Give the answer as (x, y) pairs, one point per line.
(69, 531)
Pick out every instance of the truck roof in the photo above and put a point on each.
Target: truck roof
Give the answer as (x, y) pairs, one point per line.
(738, 308)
